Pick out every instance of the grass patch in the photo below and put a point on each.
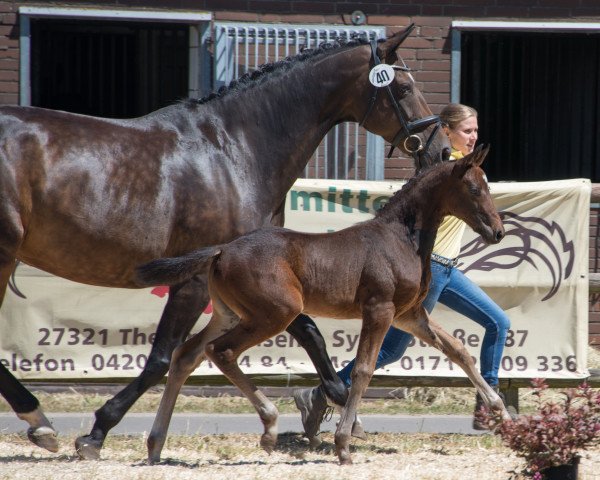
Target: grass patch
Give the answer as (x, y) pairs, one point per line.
(418, 401)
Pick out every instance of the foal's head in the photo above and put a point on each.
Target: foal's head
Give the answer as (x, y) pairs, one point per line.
(467, 196)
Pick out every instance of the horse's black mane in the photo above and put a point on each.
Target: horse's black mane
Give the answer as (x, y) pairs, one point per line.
(257, 75)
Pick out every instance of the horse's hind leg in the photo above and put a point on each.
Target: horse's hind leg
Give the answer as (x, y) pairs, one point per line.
(186, 303)
(426, 329)
(305, 331)
(23, 402)
(27, 407)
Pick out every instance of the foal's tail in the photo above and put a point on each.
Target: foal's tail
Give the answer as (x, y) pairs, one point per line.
(174, 270)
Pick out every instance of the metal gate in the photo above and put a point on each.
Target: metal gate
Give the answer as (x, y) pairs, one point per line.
(347, 151)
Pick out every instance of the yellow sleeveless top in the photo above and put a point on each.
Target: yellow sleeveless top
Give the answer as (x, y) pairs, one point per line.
(449, 236)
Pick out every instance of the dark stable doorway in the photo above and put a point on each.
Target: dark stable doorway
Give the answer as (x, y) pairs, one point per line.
(108, 69)
(538, 98)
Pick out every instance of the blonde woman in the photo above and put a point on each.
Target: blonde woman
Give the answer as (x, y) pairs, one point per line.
(448, 286)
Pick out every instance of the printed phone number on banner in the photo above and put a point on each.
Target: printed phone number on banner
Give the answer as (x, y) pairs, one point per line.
(125, 361)
(518, 363)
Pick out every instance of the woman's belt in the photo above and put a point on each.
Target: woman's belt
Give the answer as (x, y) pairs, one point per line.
(447, 262)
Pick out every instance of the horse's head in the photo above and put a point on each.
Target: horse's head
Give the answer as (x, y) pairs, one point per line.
(395, 108)
(469, 199)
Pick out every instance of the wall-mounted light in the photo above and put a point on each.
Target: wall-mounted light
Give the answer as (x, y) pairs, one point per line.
(358, 17)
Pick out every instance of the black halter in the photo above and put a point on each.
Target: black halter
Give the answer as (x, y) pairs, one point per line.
(408, 130)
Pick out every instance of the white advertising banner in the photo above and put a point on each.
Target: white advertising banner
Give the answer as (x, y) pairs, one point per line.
(538, 274)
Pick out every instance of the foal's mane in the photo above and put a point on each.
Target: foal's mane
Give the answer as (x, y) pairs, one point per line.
(400, 196)
(275, 68)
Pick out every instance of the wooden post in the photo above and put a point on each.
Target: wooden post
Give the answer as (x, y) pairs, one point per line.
(511, 397)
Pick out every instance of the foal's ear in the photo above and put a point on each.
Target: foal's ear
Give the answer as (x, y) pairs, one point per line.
(473, 159)
(387, 50)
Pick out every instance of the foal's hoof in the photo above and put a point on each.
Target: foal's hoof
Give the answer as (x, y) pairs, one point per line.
(88, 448)
(44, 437)
(345, 458)
(358, 431)
(155, 445)
(267, 442)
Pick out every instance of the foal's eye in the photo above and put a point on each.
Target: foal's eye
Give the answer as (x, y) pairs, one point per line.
(475, 190)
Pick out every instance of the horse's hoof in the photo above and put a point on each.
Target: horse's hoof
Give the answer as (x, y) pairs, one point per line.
(88, 449)
(153, 459)
(44, 437)
(267, 442)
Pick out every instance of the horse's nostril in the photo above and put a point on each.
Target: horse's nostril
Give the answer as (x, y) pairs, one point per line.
(499, 235)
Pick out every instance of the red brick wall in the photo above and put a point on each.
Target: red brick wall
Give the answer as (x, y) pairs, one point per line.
(555, 9)
(9, 53)
(427, 50)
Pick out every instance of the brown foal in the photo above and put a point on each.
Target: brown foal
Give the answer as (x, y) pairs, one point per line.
(376, 270)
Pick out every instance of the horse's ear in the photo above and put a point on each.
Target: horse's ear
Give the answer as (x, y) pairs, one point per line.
(473, 159)
(387, 50)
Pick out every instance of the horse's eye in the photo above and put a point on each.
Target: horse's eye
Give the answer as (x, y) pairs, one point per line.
(404, 89)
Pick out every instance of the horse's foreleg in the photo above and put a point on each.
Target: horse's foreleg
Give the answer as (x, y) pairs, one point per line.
(305, 331)
(186, 303)
(426, 329)
(377, 319)
(23, 402)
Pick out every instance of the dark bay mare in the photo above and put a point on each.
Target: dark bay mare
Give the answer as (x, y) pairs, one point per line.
(376, 270)
(89, 199)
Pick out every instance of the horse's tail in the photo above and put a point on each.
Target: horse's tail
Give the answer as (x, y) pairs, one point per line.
(171, 271)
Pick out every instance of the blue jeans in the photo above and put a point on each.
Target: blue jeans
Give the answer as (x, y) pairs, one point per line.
(452, 288)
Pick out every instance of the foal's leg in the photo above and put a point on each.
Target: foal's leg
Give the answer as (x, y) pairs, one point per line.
(426, 329)
(23, 402)
(305, 331)
(185, 304)
(186, 358)
(224, 352)
(377, 319)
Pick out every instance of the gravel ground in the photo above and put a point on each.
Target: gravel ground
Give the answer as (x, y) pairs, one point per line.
(237, 456)
(397, 456)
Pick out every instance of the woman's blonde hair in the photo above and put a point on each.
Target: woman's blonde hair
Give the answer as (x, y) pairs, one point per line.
(454, 113)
